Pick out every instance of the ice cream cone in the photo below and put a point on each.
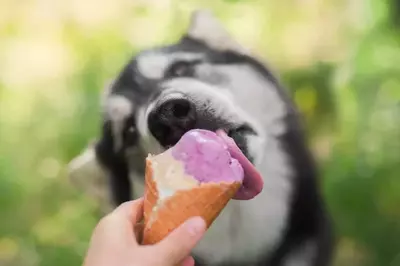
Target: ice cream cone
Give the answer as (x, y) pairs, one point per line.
(163, 215)
(196, 177)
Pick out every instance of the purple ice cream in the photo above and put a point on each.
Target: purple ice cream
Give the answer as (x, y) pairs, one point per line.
(211, 157)
(206, 157)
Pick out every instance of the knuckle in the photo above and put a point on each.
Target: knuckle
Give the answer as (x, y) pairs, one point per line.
(105, 222)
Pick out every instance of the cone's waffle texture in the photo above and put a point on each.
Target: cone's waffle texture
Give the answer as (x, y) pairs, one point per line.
(207, 201)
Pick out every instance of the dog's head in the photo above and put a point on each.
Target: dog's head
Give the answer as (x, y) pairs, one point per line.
(206, 80)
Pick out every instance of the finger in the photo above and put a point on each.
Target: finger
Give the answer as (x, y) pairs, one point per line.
(179, 243)
(130, 210)
(118, 226)
(189, 261)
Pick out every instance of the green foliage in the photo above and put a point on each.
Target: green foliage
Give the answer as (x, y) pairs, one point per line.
(339, 60)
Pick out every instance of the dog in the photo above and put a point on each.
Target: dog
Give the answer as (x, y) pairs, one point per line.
(207, 80)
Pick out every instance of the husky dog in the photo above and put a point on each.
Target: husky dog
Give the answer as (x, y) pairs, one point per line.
(207, 80)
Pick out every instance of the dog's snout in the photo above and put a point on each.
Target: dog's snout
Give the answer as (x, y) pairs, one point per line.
(177, 110)
(171, 119)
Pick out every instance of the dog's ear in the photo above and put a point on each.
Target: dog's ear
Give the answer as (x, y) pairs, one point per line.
(86, 173)
(207, 29)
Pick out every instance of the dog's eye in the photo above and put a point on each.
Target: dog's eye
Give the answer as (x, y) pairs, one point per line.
(130, 133)
(180, 69)
(130, 136)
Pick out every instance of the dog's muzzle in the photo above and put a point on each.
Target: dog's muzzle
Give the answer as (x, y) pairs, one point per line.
(175, 113)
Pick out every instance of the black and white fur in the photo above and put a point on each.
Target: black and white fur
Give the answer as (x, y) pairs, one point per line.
(284, 225)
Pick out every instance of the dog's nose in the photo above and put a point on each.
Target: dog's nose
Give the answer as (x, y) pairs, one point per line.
(170, 120)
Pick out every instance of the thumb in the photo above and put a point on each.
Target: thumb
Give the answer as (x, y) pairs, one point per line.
(179, 243)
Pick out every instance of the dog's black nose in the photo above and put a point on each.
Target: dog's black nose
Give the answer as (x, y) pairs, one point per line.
(170, 120)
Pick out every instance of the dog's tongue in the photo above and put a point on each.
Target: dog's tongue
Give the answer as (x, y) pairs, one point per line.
(211, 157)
(252, 182)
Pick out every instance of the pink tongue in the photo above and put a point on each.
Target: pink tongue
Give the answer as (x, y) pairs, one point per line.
(252, 182)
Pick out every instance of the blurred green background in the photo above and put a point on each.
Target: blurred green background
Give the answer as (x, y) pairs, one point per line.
(340, 59)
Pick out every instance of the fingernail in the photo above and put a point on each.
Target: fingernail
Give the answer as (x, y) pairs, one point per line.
(195, 225)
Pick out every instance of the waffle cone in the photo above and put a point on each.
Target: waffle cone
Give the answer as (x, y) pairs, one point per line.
(206, 200)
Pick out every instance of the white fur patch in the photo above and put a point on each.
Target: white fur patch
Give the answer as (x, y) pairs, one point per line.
(141, 120)
(255, 145)
(87, 156)
(153, 65)
(256, 96)
(117, 109)
(205, 27)
(148, 142)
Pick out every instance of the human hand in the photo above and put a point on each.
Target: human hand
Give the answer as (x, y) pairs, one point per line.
(115, 241)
